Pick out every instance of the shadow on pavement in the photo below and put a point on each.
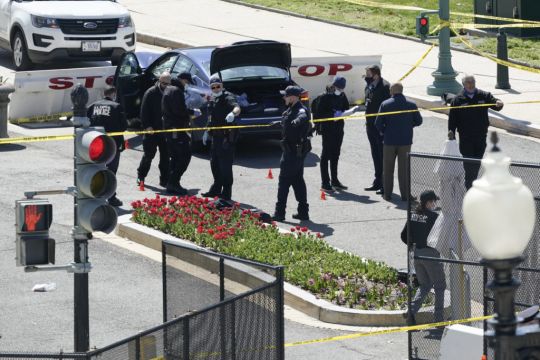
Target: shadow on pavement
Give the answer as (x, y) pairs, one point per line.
(47, 124)
(11, 147)
(348, 196)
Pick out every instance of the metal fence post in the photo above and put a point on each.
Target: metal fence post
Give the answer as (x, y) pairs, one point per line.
(221, 279)
(502, 54)
(164, 278)
(185, 348)
(5, 90)
(280, 314)
(409, 274)
(233, 331)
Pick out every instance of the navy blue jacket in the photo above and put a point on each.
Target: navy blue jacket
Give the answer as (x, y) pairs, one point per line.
(398, 129)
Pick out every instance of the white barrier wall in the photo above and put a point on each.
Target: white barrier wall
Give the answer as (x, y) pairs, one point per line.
(46, 93)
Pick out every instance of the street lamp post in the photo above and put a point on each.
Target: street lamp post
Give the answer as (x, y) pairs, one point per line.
(499, 215)
(445, 76)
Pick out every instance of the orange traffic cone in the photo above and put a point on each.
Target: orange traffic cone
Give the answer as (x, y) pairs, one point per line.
(270, 175)
(126, 144)
(141, 186)
(484, 357)
(323, 195)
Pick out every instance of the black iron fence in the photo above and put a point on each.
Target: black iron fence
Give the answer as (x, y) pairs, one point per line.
(464, 277)
(214, 307)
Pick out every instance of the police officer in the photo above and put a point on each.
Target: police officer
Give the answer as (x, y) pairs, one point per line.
(333, 103)
(430, 274)
(472, 124)
(377, 91)
(222, 111)
(110, 115)
(295, 145)
(176, 116)
(151, 119)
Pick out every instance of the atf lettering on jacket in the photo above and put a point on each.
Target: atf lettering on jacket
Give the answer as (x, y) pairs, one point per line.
(419, 218)
(102, 110)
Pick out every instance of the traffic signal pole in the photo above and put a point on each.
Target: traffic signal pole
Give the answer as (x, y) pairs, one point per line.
(81, 333)
(444, 76)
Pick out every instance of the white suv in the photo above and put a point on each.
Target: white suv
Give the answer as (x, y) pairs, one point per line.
(41, 31)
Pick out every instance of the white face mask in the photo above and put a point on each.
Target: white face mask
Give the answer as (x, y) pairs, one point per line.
(217, 94)
(337, 92)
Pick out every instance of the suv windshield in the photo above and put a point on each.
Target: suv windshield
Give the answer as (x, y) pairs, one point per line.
(254, 72)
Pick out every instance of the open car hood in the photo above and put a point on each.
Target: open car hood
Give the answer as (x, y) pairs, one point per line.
(251, 53)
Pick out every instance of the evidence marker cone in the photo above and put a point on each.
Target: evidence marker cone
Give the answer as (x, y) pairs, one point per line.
(141, 186)
(270, 175)
(323, 195)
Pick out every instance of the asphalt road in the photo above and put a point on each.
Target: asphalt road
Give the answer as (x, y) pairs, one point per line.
(126, 288)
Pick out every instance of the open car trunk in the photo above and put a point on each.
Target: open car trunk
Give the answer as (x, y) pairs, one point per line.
(259, 99)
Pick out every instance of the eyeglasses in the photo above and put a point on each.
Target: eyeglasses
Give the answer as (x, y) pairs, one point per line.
(215, 87)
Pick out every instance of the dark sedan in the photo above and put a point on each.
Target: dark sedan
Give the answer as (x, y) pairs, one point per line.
(254, 71)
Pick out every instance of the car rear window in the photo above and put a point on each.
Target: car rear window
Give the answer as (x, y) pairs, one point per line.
(253, 72)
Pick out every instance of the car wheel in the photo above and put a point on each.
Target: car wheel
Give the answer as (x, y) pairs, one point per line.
(20, 52)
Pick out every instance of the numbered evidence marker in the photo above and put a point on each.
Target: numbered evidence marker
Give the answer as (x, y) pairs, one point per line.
(33, 244)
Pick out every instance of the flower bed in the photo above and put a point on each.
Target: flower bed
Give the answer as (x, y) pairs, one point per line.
(310, 263)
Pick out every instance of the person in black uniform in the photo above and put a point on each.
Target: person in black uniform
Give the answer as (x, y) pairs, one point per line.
(110, 115)
(222, 111)
(333, 103)
(295, 145)
(377, 91)
(176, 116)
(151, 118)
(472, 124)
(430, 274)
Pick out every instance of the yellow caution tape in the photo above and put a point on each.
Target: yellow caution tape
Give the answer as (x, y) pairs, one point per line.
(493, 58)
(30, 139)
(389, 331)
(420, 9)
(417, 63)
(491, 26)
(40, 118)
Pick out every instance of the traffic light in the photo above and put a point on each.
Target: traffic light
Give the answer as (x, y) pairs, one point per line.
(33, 219)
(95, 183)
(422, 26)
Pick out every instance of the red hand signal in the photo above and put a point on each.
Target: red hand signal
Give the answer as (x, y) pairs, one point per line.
(31, 217)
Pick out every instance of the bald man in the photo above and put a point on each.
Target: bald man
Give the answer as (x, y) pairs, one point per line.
(151, 120)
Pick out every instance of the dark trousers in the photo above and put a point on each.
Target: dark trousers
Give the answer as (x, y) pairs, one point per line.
(331, 149)
(113, 166)
(472, 148)
(151, 143)
(376, 144)
(390, 153)
(221, 162)
(292, 174)
(179, 148)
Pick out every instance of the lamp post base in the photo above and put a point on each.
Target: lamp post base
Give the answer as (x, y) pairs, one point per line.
(444, 83)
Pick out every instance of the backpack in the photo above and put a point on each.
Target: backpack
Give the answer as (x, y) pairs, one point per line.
(315, 106)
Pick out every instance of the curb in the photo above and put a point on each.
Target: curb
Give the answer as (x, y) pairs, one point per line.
(160, 41)
(497, 120)
(295, 297)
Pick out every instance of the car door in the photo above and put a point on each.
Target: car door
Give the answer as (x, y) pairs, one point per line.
(5, 14)
(127, 80)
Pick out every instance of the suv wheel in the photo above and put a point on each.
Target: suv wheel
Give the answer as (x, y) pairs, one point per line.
(20, 52)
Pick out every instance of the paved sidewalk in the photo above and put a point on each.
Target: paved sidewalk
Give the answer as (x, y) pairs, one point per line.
(211, 22)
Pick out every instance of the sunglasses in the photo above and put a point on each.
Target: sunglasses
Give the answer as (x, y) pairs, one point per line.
(215, 87)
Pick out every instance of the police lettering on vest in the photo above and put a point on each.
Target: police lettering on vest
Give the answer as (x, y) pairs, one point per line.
(103, 110)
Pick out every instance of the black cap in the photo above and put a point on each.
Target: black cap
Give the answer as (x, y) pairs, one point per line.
(292, 90)
(428, 195)
(186, 76)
